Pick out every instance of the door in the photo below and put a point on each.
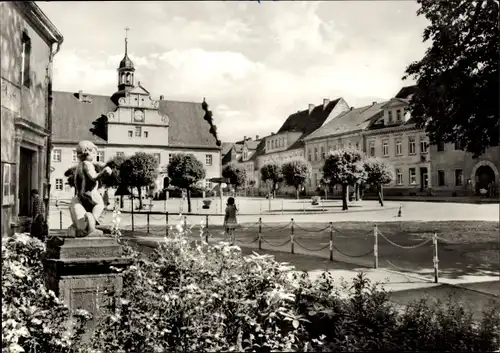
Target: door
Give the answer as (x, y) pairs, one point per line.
(424, 179)
(25, 179)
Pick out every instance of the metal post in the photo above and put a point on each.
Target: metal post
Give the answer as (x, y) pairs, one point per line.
(185, 222)
(166, 223)
(206, 229)
(165, 203)
(147, 226)
(281, 206)
(375, 246)
(291, 240)
(132, 213)
(260, 233)
(436, 259)
(331, 241)
(60, 219)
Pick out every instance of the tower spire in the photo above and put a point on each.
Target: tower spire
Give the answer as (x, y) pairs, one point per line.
(126, 41)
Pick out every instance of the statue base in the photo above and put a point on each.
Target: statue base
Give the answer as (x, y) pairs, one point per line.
(79, 271)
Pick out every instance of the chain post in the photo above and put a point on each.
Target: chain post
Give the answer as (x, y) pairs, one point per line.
(132, 213)
(206, 229)
(60, 219)
(291, 240)
(375, 246)
(166, 223)
(147, 226)
(185, 223)
(436, 259)
(260, 233)
(331, 241)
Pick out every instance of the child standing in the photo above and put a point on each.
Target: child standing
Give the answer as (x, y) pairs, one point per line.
(230, 221)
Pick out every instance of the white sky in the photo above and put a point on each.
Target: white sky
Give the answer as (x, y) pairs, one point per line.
(254, 63)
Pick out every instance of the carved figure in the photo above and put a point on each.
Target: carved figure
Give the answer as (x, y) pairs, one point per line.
(87, 204)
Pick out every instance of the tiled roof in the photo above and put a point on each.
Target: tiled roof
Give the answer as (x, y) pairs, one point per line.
(351, 120)
(405, 92)
(72, 120)
(226, 147)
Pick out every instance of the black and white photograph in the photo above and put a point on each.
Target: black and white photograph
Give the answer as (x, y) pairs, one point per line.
(250, 176)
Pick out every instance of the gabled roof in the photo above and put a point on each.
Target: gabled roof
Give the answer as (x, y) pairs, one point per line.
(306, 122)
(407, 91)
(226, 147)
(349, 121)
(399, 100)
(72, 120)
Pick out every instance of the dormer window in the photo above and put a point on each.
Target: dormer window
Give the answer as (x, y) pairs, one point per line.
(398, 115)
(389, 114)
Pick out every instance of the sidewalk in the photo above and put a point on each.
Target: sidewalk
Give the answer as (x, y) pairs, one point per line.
(403, 288)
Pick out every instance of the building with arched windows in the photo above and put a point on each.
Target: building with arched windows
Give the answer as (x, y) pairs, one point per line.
(137, 122)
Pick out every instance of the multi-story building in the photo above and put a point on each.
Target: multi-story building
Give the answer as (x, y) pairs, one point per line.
(345, 131)
(136, 122)
(394, 137)
(288, 143)
(29, 42)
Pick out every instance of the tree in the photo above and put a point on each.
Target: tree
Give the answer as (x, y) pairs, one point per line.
(379, 173)
(344, 167)
(456, 98)
(70, 174)
(138, 171)
(271, 174)
(295, 173)
(235, 174)
(114, 179)
(185, 171)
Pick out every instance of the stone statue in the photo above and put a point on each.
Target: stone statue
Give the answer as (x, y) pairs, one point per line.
(87, 204)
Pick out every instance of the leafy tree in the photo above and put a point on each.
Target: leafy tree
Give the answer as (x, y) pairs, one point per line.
(295, 173)
(379, 173)
(344, 167)
(185, 171)
(138, 171)
(70, 174)
(114, 179)
(456, 98)
(235, 174)
(271, 174)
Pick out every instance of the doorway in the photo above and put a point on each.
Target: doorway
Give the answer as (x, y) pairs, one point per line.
(485, 176)
(424, 179)
(25, 181)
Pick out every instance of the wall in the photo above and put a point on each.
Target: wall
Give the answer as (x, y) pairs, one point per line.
(451, 159)
(212, 171)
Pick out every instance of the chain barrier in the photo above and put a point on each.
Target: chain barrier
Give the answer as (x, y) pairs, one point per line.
(275, 246)
(343, 253)
(403, 246)
(246, 242)
(305, 248)
(312, 230)
(276, 228)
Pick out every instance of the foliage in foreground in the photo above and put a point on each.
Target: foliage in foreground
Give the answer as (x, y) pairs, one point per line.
(186, 297)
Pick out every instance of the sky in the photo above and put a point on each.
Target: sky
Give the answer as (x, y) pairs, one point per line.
(256, 63)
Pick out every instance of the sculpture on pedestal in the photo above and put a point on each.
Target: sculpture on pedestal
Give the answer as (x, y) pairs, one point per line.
(87, 204)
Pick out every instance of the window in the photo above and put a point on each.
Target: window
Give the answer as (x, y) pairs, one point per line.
(56, 155)
(245, 155)
(6, 187)
(26, 59)
(120, 154)
(411, 145)
(459, 177)
(138, 131)
(440, 146)
(59, 184)
(423, 146)
(268, 145)
(130, 133)
(372, 148)
(412, 176)
(309, 155)
(208, 184)
(357, 145)
(385, 148)
(350, 145)
(398, 115)
(323, 154)
(146, 134)
(170, 156)
(100, 156)
(315, 153)
(399, 148)
(75, 156)
(458, 145)
(389, 113)
(441, 178)
(208, 159)
(399, 177)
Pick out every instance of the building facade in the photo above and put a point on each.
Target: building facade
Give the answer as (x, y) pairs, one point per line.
(136, 123)
(29, 42)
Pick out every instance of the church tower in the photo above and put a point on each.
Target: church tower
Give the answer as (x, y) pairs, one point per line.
(125, 74)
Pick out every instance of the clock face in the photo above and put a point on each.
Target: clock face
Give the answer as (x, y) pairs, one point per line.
(139, 115)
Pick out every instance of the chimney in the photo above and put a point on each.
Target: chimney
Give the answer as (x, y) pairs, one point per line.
(80, 95)
(256, 137)
(373, 103)
(311, 107)
(326, 101)
(272, 133)
(244, 138)
(161, 97)
(351, 108)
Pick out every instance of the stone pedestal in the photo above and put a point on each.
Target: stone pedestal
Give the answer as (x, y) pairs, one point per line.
(79, 271)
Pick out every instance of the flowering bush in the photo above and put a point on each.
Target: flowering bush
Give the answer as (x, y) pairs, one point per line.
(33, 318)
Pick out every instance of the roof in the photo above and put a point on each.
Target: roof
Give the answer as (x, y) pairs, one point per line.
(226, 147)
(126, 63)
(72, 120)
(351, 120)
(407, 91)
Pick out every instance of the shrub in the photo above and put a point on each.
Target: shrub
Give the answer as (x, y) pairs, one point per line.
(33, 318)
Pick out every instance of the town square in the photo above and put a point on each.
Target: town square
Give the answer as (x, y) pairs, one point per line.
(250, 176)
